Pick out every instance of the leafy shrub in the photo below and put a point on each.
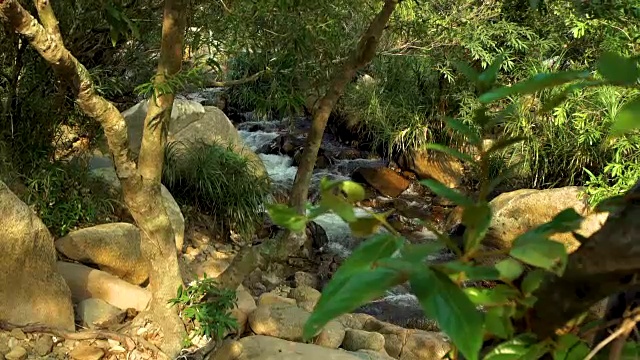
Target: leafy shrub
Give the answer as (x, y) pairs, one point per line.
(206, 307)
(218, 181)
(387, 259)
(65, 196)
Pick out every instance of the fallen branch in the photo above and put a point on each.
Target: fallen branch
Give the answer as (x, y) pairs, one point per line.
(129, 342)
(623, 331)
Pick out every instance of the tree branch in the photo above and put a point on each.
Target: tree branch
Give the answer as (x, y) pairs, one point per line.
(606, 264)
(229, 83)
(48, 18)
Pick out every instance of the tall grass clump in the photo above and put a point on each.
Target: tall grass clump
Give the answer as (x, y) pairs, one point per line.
(217, 181)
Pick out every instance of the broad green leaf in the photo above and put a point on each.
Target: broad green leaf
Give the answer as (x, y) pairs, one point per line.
(477, 219)
(568, 346)
(442, 190)
(287, 217)
(532, 281)
(536, 351)
(356, 290)
(500, 295)
(353, 191)
(509, 269)
(469, 72)
(326, 184)
(453, 152)
(504, 143)
(612, 204)
(627, 119)
(364, 226)
(339, 206)
(505, 174)
(488, 77)
(456, 315)
(514, 349)
(541, 252)
(618, 69)
(534, 84)
(377, 247)
(471, 272)
(498, 322)
(470, 133)
(565, 221)
(418, 252)
(558, 99)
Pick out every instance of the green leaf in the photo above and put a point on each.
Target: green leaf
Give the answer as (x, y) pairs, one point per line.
(477, 219)
(627, 119)
(534, 84)
(442, 190)
(488, 77)
(469, 72)
(377, 247)
(360, 288)
(470, 133)
(456, 315)
(509, 269)
(453, 152)
(536, 351)
(418, 252)
(503, 143)
(364, 226)
(565, 221)
(514, 349)
(471, 272)
(612, 204)
(287, 217)
(541, 252)
(505, 174)
(339, 206)
(501, 294)
(564, 345)
(353, 191)
(532, 281)
(618, 69)
(498, 322)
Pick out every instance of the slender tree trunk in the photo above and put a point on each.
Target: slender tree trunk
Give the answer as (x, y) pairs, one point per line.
(140, 182)
(364, 53)
(279, 249)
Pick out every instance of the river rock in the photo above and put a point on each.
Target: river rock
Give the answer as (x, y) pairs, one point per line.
(302, 278)
(408, 344)
(109, 176)
(31, 291)
(96, 313)
(86, 283)
(191, 122)
(17, 353)
(433, 165)
(86, 352)
(43, 345)
(518, 211)
(383, 179)
(269, 348)
(114, 247)
(355, 340)
(306, 297)
(286, 321)
(245, 305)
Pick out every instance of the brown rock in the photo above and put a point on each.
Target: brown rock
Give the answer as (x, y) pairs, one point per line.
(385, 180)
(433, 165)
(269, 348)
(43, 345)
(18, 334)
(96, 313)
(271, 298)
(86, 283)
(114, 247)
(423, 345)
(331, 336)
(306, 297)
(17, 353)
(355, 340)
(303, 278)
(31, 291)
(86, 352)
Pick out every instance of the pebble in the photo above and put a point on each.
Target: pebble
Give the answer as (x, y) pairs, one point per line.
(18, 334)
(86, 352)
(17, 353)
(43, 345)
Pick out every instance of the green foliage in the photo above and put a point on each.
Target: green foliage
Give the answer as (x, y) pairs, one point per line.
(386, 259)
(206, 307)
(65, 196)
(219, 182)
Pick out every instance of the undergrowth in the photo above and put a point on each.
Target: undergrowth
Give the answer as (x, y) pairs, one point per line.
(218, 182)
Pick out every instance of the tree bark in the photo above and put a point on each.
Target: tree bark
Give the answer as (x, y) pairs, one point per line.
(607, 263)
(140, 182)
(363, 54)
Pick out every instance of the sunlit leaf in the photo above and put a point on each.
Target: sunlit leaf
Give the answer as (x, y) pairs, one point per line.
(500, 295)
(541, 252)
(364, 226)
(627, 119)
(339, 206)
(353, 191)
(287, 217)
(534, 84)
(509, 269)
(455, 314)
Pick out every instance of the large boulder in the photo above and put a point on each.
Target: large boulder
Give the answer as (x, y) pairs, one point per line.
(433, 165)
(385, 180)
(191, 122)
(114, 247)
(31, 290)
(269, 348)
(518, 211)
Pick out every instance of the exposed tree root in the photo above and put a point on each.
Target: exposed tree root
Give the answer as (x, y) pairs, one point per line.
(129, 342)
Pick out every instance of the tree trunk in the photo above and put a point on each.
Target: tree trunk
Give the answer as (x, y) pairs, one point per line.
(364, 53)
(140, 182)
(606, 264)
(279, 249)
